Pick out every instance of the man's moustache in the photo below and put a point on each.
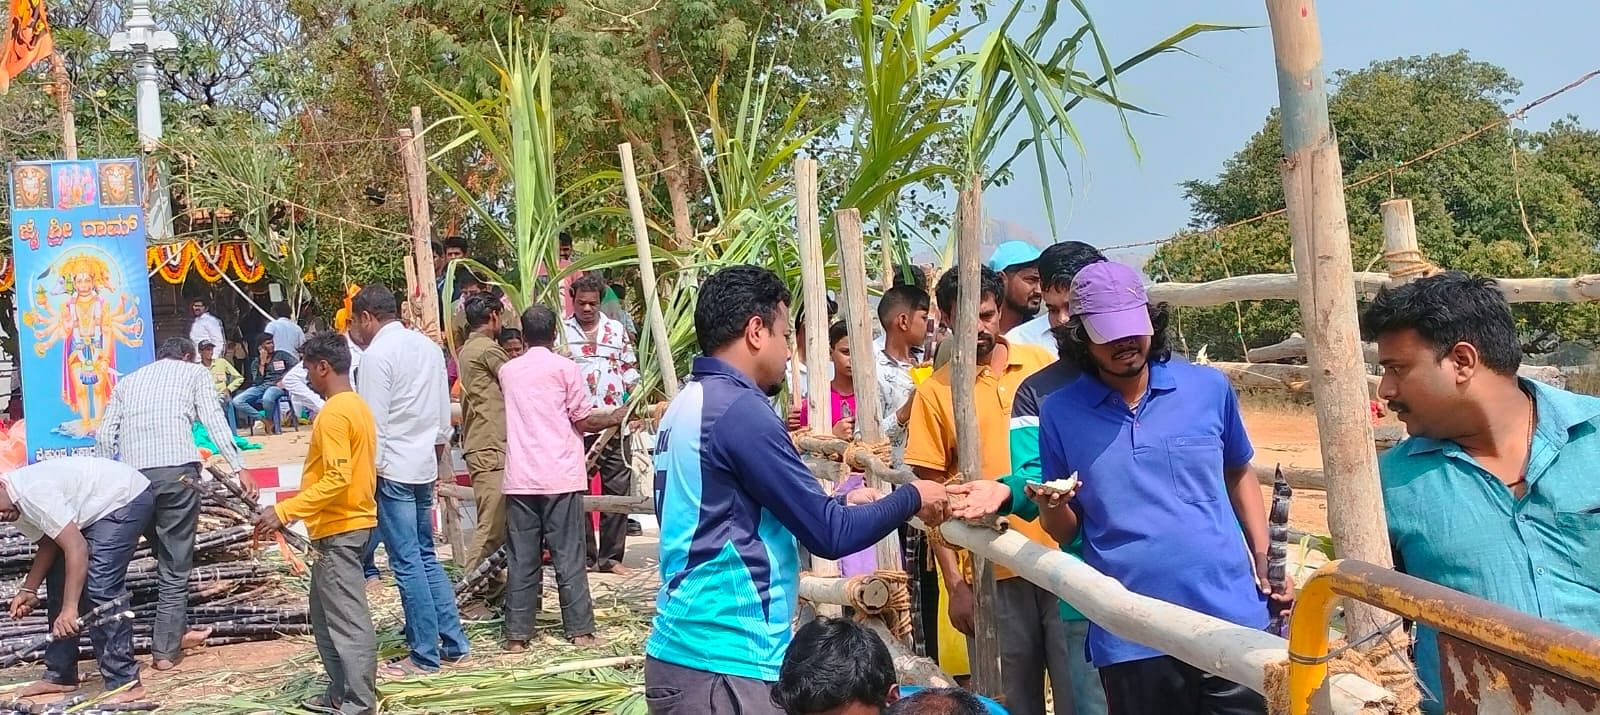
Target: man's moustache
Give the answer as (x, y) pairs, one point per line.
(1397, 406)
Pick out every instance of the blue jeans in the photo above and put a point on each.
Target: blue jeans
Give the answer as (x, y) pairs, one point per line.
(112, 539)
(369, 556)
(426, 597)
(231, 414)
(262, 398)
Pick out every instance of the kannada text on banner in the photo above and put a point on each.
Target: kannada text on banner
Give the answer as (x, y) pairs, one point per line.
(83, 300)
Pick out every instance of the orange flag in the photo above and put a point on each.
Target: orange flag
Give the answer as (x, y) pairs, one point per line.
(26, 40)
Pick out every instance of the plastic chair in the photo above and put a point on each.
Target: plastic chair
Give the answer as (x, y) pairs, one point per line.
(293, 419)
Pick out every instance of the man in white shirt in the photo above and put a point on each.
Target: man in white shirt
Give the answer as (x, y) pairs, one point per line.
(610, 368)
(402, 378)
(86, 515)
(298, 385)
(286, 334)
(1057, 265)
(205, 326)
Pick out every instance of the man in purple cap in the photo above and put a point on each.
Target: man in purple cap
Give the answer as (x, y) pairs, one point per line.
(1166, 503)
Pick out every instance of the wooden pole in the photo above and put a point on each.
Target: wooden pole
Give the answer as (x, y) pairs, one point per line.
(63, 92)
(1313, 187)
(647, 275)
(814, 289)
(814, 296)
(985, 656)
(1400, 252)
(863, 363)
(423, 296)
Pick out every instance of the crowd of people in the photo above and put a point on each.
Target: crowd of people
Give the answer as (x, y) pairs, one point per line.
(1076, 377)
(1165, 500)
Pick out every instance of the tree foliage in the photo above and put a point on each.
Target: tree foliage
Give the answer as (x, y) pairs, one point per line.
(1469, 200)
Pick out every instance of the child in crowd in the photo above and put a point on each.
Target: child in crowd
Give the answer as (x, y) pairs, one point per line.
(842, 411)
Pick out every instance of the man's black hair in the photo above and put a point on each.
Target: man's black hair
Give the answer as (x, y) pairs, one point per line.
(949, 283)
(1446, 309)
(539, 326)
(836, 332)
(280, 310)
(507, 335)
(1072, 340)
(730, 298)
(909, 274)
(438, 248)
(376, 299)
(565, 238)
(620, 290)
(201, 301)
(263, 338)
(832, 663)
(328, 347)
(466, 276)
(589, 283)
(176, 349)
(901, 299)
(479, 308)
(455, 242)
(938, 701)
(1061, 261)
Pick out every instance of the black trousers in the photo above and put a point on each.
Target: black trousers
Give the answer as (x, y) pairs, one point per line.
(171, 537)
(616, 480)
(1168, 686)
(535, 522)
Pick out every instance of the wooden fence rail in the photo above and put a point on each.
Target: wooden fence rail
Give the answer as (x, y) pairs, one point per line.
(1284, 286)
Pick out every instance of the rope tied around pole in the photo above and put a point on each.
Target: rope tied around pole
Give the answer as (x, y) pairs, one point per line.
(1368, 665)
(1409, 263)
(896, 613)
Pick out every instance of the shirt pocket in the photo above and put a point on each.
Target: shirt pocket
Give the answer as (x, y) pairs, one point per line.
(1580, 534)
(1195, 462)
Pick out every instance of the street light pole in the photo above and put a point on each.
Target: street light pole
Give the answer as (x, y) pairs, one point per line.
(141, 40)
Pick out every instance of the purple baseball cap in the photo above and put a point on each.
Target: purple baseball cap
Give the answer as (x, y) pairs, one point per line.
(1111, 300)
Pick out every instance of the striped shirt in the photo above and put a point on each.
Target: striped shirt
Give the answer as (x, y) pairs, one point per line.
(150, 419)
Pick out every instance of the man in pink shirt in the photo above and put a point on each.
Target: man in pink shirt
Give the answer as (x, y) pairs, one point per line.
(547, 412)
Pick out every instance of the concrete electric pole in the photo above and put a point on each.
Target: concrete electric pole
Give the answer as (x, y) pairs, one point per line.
(141, 40)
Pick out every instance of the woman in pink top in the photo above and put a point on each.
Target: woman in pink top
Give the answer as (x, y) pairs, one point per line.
(547, 412)
(842, 404)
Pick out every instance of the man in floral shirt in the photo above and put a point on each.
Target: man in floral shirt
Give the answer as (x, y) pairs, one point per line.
(603, 350)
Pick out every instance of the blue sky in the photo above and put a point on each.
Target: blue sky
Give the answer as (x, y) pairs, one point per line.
(1212, 103)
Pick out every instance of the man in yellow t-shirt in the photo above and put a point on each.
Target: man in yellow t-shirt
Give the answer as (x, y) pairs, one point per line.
(1033, 637)
(338, 505)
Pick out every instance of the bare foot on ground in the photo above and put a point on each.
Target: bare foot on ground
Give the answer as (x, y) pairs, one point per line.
(588, 641)
(131, 695)
(195, 638)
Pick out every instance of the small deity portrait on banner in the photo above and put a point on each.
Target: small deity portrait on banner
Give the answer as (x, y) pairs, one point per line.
(116, 184)
(75, 185)
(31, 184)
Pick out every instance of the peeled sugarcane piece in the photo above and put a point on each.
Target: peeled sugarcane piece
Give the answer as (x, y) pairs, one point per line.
(1278, 544)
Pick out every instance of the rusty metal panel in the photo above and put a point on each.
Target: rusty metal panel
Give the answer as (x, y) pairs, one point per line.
(1479, 680)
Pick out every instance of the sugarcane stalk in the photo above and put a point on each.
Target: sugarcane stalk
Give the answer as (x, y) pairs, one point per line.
(1278, 544)
(480, 574)
(39, 644)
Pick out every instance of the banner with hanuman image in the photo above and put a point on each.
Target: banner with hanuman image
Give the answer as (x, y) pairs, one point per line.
(82, 296)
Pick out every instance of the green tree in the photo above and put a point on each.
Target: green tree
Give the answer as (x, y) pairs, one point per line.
(1469, 200)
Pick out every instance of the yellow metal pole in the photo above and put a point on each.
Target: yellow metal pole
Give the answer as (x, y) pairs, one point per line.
(1308, 638)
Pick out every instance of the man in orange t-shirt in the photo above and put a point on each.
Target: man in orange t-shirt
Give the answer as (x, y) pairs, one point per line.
(1033, 636)
(338, 503)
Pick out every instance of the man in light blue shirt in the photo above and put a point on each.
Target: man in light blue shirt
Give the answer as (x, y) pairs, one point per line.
(286, 334)
(1494, 494)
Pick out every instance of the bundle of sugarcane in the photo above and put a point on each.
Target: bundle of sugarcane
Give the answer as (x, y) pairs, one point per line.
(481, 575)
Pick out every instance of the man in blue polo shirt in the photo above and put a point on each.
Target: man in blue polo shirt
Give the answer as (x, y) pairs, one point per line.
(1165, 487)
(1495, 492)
(733, 497)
